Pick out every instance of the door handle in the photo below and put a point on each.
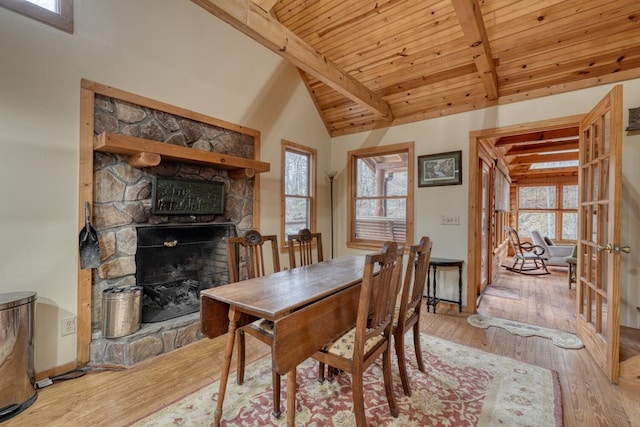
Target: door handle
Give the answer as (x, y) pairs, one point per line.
(618, 249)
(606, 247)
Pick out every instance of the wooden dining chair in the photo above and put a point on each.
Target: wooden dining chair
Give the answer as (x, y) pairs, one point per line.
(407, 314)
(301, 253)
(248, 251)
(301, 248)
(370, 338)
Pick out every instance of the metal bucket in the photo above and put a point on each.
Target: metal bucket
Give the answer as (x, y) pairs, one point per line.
(121, 311)
(17, 391)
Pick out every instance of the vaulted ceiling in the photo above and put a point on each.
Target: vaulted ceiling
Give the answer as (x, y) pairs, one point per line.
(374, 64)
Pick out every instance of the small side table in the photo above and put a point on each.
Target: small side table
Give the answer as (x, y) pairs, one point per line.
(432, 295)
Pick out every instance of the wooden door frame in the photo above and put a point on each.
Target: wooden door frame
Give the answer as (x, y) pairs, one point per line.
(474, 243)
(484, 157)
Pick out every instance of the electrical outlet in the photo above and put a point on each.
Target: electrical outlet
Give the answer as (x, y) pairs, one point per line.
(68, 326)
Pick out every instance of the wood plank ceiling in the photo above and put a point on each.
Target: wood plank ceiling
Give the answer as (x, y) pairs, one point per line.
(540, 155)
(375, 64)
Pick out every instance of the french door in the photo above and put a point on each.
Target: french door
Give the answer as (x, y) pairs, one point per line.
(598, 281)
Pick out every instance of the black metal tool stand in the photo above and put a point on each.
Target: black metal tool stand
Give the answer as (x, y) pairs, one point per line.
(432, 295)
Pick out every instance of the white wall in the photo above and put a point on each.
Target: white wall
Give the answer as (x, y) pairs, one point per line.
(170, 51)
(452, 133)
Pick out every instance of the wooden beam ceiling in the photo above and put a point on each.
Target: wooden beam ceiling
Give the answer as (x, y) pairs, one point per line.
(542, 147)
(470, 17)
(370, 65)
(544, 158)
(531, 174)
(570, 132)
(252, 20)
(265, 5)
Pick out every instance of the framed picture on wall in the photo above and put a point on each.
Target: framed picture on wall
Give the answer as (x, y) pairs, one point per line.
(440, 169)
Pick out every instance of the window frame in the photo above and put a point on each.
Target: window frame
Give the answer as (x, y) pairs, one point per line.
(352, 168)
(312, 153)
(557, 211)
(62, 20)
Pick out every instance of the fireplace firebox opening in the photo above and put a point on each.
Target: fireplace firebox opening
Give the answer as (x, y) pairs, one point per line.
(174, 263)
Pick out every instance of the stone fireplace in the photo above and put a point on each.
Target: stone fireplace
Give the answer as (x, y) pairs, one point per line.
(125, 218)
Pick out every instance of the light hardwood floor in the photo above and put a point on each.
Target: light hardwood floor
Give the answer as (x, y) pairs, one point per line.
(115, 398)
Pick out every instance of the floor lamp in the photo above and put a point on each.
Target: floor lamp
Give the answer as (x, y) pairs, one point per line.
(331, 174)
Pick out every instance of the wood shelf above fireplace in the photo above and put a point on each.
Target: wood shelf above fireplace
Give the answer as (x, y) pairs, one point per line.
(144, 152)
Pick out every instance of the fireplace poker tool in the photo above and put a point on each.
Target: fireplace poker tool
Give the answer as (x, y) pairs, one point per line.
(89, 245)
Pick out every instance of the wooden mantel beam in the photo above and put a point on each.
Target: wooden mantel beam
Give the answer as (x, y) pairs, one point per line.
(475, 33)
(251, 19)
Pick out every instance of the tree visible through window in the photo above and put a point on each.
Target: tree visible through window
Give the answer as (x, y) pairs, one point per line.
(550, 209)
(298, 188)
(380, 195)
(57, 13)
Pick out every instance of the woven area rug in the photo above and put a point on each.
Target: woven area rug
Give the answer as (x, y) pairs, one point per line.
(560, 338)
(461, 387)
(503, 292)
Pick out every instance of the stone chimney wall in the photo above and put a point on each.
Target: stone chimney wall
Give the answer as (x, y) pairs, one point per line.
(122, 194)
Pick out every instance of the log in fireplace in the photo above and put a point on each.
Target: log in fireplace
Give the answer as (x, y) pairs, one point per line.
(175, 262)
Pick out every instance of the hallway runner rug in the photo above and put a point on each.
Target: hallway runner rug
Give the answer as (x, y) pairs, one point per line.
(461, 387)
(559, 338)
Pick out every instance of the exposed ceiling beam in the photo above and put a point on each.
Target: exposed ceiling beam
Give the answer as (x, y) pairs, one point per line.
(475, 33)
(566, 133)
(265, 5)
(530, 174)
(543, 147)
(249, 18)
(544, 158)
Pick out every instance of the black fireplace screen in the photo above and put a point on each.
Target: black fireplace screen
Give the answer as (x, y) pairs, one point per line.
(174, 263)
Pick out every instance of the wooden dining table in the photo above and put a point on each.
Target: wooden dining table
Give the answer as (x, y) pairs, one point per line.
(309, 306)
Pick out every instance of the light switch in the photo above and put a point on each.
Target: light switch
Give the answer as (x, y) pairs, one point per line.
(450, 220)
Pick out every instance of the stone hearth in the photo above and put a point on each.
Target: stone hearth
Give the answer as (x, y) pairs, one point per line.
(151, 340)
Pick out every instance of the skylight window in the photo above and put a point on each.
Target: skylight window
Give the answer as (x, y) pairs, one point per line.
(553, 165)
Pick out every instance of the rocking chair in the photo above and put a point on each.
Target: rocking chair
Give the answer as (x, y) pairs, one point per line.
(527, 258)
